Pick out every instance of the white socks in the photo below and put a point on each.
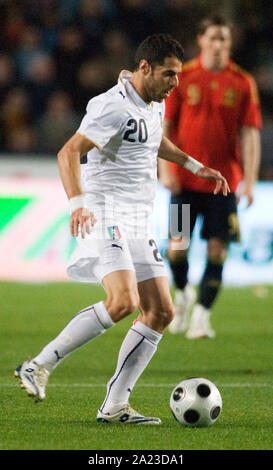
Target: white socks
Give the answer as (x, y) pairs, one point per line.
(85, 326)
(136, 351)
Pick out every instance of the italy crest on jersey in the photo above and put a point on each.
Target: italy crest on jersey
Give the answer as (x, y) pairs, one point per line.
(114, 232)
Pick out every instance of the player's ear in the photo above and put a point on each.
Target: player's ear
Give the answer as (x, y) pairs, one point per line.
(199, 40)
(144, 66)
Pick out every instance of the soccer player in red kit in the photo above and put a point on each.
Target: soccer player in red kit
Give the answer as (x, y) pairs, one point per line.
(214, 114)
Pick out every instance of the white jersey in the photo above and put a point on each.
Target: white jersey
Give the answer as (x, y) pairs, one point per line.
(127, 133)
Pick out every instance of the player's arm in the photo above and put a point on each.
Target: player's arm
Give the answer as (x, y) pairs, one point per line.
(251, 156)
(169, 151)
(69, 168)
(166, 177)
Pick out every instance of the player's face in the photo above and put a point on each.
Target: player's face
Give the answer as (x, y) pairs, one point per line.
(162, 79)
(215, 44)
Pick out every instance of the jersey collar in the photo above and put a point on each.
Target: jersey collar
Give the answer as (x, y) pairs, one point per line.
(124, 78)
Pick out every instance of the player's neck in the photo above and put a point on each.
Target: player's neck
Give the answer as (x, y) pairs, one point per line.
(213, 64)
(137, 83)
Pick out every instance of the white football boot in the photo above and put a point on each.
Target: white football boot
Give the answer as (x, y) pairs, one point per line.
(200, 326)
(33, 378)
(126, 415)
(184, 300)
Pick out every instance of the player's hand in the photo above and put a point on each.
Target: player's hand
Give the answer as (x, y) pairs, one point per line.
(214, 175)
(245, 190)
(81, 218)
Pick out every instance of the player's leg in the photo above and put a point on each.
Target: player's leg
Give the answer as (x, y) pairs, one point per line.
(220, 227)
(178, 260)
(156, 306)
(122, 299)
(212, 278)
(208, 290)
(138, 348)
(185, 294)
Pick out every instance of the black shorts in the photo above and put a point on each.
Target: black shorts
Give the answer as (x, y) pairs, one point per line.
(219, 214)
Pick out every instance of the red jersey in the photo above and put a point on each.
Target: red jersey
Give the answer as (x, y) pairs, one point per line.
(208, 110)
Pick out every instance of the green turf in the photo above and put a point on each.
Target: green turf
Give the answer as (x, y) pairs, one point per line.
(238, 360)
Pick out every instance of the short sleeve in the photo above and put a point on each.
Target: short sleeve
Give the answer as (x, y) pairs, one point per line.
(102, 121)
(251, 112)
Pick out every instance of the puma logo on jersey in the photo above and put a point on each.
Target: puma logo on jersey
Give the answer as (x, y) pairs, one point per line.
(117, 246)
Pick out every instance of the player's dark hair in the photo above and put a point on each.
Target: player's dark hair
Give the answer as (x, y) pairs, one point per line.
(213, 20)
(156, 48)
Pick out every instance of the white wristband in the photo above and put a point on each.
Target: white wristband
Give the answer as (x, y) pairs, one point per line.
(77, 202)
(192, 165)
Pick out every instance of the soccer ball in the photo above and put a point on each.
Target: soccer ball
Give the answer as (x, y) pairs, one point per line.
(196, 402)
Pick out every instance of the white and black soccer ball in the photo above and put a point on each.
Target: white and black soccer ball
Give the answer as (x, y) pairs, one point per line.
(196, 402)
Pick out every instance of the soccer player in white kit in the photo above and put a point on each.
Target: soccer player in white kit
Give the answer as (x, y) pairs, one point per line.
(111, 199)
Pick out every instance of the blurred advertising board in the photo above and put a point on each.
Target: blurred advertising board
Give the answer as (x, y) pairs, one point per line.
(35, 241)
(34, 229)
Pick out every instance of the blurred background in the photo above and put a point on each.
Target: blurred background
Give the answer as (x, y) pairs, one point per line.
(57, 54)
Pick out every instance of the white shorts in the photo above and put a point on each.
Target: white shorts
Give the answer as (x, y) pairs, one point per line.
(94, 257)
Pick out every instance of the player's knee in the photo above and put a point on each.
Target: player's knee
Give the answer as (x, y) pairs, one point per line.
(165, 316)
(162, 318)
(122, 304)
(130, 303)
(217, 250)
(176, 255)
(168, 315)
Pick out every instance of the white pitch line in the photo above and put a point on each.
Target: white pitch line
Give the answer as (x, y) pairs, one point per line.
(90, 385)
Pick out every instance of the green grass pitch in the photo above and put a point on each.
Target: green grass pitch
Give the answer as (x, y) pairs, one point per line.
(238, 361)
